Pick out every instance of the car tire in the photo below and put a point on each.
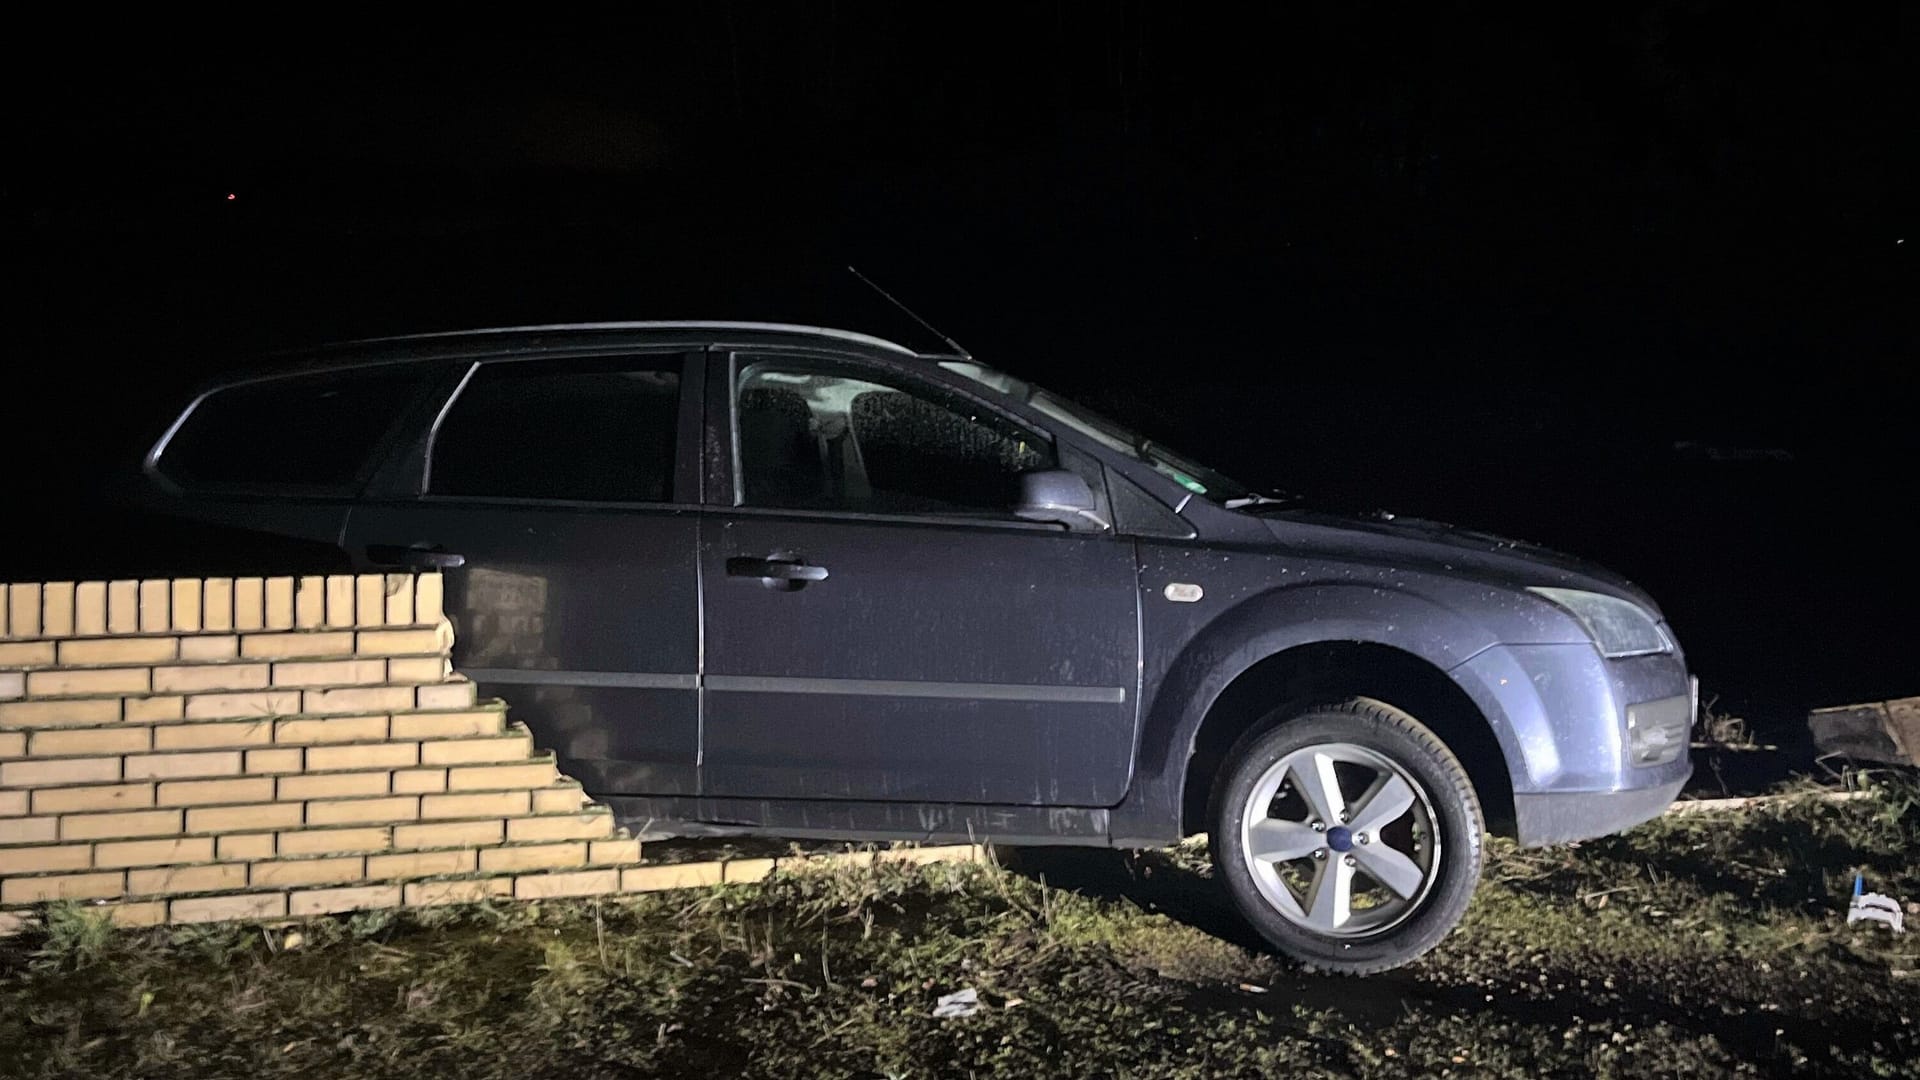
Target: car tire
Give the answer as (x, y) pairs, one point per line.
(1279, 860)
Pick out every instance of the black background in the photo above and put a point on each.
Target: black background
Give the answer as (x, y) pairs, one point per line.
(1640, 287)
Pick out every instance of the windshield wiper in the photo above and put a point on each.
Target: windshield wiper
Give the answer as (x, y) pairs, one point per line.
(1247, 502)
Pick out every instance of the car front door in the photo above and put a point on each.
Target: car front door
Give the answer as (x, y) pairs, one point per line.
(567, 489)
(878, 625)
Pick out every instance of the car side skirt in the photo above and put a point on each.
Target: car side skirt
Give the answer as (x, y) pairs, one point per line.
(819, 819)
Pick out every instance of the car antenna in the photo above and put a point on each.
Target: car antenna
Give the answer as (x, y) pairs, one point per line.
(889, 298)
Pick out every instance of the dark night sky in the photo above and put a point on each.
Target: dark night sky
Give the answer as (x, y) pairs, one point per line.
(1468, 267)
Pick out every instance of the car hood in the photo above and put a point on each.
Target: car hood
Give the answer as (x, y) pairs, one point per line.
(1438, 547)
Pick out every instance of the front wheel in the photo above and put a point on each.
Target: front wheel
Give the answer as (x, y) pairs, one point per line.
(1348, 835)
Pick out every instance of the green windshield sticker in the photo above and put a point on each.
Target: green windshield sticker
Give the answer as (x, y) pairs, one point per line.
(1189, 482)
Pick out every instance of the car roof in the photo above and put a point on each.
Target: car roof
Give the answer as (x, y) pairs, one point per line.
(697, 325)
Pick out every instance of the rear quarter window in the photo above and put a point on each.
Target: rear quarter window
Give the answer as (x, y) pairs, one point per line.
(310, 432)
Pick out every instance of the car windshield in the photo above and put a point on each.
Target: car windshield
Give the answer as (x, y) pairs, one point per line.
(1195, 477)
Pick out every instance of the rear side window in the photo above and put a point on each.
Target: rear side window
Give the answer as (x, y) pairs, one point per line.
(314, 432)
(593, 430)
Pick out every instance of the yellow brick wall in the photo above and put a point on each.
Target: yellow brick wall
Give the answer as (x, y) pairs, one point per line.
(203, 749)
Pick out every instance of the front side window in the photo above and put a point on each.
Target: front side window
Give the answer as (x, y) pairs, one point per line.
(306, 432)
(595, 430)
(819, 437)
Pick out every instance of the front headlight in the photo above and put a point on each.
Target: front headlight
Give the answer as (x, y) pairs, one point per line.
(1619, 627)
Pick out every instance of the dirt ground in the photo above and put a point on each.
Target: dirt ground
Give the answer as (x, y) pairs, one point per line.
(1704, 945)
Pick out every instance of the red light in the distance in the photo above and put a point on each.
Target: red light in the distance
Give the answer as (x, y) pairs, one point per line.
(231, 196)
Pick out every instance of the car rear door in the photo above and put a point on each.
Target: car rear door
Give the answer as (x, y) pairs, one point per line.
(566, 488)
(878, 626)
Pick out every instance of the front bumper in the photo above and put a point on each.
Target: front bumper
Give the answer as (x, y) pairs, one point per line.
(1572, 726)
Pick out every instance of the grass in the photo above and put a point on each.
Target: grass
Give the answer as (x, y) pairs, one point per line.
(1709, 945)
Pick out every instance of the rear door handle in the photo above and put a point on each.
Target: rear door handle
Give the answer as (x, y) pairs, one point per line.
(414, 557)
(788, 570)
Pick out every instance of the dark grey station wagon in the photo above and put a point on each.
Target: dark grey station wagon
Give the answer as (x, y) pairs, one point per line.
(803, 582)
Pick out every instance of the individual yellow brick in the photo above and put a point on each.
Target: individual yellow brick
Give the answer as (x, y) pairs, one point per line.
(577, 883)
(211, 792)
(225, 908)
(333, 901)
(330, 673)
(279, 592)
(102, 651)
(25, 654)
(163, 707)
(416, 864)
(428, 593)
(332, 729)
(214, 877)
(334, 785)
(75, 800)
(13, 684)
(241, 705)
(399, 589)
(559, 799)
(186, 605)
(284, 646)
(172, 851)
(419, 781)
(13, 744)
(332, 871)
(209, 648)
(357, 699)
(57, 609)
(384, 755)
(370, 600)
(677, 876)
(216, 819)
(132, 914)
(620, 851)
(495, 777)
(448, 834)
(179, 766)
(212, 735)
(274, 762)
(340, 600)
(29, 774)
(58, 713)
(249, 603)
(446, 695)
(244, 847)
(216, 604)
(119, 826)
(309, 602)
(533, 857)
(90, 608)
(23, 606)
(154, 616)
(202, 677)
(35, 890)
(360, 811)
(499, 804)
(507, 748)
(431, 893)
(747, 871)
(77, 742)
(335, 841)
(398, 642)
(418, 669)
(561, 827)
(123, 607)
(87, 682)
(14, 803)
(26, 830)
(46, 859)
(17, 922)
(452, 725)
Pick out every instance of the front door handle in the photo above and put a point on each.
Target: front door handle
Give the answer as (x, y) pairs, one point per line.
(788, 573)
(414, 557)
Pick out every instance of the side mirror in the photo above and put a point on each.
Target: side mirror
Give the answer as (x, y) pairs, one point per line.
(1059, 496)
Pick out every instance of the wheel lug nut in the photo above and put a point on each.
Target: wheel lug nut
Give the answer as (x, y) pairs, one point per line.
(1348, 860)
(1319, 826)
(1360, 838)
(1321, 854)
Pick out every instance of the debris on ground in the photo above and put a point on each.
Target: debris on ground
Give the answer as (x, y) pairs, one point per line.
(1883, 731)
(958, 1005)
(1874, 907)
